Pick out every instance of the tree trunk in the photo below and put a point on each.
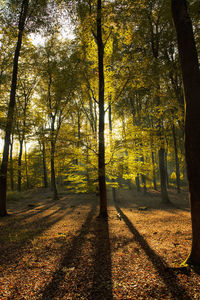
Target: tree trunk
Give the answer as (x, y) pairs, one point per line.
(137, 182)
(78, 134)
(191, 82)
(154, 171)
(166, 170)
(26, 164)
(20, 165)
(144, 183)
(111, 142)
(163, 179)
(176, 160)
(101, 156)
(45, 181)
(11, 107)
(11, 165)
(53, 177)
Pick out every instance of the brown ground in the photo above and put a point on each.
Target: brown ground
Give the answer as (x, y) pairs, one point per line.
(63, 251)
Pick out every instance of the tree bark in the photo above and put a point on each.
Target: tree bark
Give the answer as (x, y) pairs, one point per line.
(101, 156)
(11, 107)
(154, 171)
(137, 182)
(176, 160)
(20, 165)
(26, 166)
(53, 177)
(166, 170)
(163, 179)
(191, 82)
(11, 165)
(111, 142)
(45, 181)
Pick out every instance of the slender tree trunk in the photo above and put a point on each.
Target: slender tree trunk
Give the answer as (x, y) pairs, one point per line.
(137, 182)
(126, 168)
(53, 144)
(78, 134)
(111, 142)
(11, 165)
(143, 177)
(166, 169)
(20, 165)
(144, 183)
(163, 179)
(191, 82)
(154, 171)
(26, 166)
(11, 107)
(45, 181)
(161, 152)
(101, 157)
(176, 159)
(53, 177)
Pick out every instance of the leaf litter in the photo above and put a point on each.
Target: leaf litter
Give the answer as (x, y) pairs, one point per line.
(63, 251)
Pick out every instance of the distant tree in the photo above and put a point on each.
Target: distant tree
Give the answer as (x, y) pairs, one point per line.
(191, 82)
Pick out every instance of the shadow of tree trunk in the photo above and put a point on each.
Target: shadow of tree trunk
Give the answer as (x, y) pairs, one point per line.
(167, 275)
(102, 280)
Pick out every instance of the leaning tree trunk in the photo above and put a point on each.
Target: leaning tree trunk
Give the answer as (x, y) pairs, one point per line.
(11, 107)
(101, 156)
(191, 82)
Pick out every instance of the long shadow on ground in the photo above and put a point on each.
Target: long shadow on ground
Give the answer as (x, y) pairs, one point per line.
(26, 232)
(69, 266)
(102, 280)
(167, 275)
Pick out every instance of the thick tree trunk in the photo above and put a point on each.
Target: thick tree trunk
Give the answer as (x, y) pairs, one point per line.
(176, 160)
(191, 82)
(11, 107)
(101, 158)
(20, 165)
(11, 165)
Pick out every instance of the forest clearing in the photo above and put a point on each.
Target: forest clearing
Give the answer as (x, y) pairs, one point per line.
(61, 250)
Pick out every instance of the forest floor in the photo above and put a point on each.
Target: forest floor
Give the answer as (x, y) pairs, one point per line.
(61, 250)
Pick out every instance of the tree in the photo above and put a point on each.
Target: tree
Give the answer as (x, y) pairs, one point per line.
(9, 122)
(101, 158)
(191, 82)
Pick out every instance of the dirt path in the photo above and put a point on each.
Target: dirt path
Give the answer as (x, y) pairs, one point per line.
(63, 251)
